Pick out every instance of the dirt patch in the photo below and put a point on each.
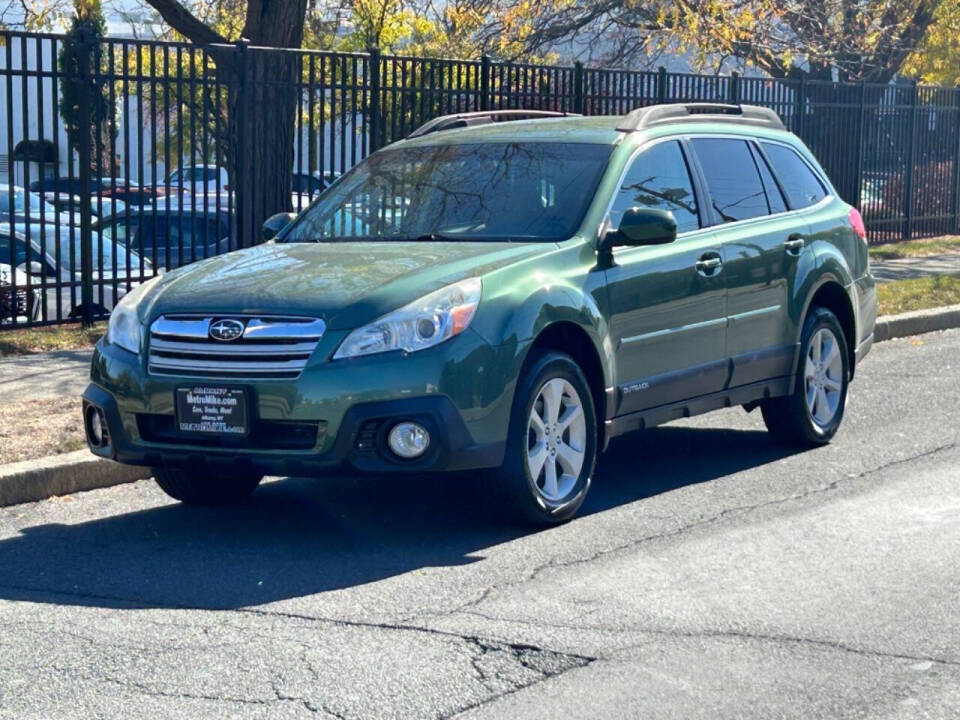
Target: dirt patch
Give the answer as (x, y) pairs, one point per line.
(35, 428)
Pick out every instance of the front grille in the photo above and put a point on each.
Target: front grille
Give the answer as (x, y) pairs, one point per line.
(269, 347)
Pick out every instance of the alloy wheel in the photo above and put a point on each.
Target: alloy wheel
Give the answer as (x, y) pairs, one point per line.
(556, 440)
(823, 377)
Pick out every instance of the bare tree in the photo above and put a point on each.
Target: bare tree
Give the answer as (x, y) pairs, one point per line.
(850, 39)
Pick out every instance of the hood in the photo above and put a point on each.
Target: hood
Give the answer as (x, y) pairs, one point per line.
(346, 284)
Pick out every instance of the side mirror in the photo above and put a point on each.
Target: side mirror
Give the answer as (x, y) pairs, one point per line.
(642, 226)
(35, 269)
(276, 223)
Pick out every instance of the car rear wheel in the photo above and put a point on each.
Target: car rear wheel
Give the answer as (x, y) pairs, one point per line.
(813, 413)
(552, 444)
(206, 488)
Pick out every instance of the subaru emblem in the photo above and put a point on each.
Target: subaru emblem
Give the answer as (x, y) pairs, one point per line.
(226, 330)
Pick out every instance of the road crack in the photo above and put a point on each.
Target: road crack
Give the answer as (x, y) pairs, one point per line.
(738, 510)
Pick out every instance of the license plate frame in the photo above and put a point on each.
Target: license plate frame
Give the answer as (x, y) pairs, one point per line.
(212, 409)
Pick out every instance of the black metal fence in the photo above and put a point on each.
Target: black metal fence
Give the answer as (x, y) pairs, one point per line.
(154, 168)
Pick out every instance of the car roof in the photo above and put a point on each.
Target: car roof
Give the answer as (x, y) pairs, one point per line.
(600, 130)
(650, 121)
(185, 211)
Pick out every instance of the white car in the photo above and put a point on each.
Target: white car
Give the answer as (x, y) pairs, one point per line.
(56, 266)
(200, 178)
(16, 302)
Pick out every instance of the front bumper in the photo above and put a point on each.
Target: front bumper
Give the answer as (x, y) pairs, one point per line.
(347, 406)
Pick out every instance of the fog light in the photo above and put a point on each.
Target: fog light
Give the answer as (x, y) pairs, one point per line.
(408, 440)
(96, 427)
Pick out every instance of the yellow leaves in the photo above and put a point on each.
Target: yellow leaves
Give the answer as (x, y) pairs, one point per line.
(937, 60)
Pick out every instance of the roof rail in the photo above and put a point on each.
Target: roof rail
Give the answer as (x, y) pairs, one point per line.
(645, 117)
(484, 117)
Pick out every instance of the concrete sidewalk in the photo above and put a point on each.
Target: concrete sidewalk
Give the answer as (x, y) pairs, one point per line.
(906, 268)
(45, 375)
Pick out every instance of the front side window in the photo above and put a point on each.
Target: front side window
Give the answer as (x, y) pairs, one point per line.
(529, 191)
(802, 186)
(658, 178)
(733, 181)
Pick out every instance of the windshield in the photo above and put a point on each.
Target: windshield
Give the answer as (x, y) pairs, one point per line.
(19, 198)
(483, 191)
(197, 174)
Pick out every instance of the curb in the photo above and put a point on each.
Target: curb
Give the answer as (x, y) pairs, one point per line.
(889, 327)
(41, 478)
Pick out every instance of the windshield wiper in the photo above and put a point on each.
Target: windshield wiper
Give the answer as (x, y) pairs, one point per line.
(438, 237)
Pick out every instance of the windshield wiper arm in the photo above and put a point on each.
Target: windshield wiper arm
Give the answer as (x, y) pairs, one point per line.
(437, 237)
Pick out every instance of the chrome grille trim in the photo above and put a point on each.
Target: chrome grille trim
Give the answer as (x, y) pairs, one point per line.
(270, 347)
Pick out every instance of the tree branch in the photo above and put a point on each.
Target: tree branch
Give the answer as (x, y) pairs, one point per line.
(186, 23)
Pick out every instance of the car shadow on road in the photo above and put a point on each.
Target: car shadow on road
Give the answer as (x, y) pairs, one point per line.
(297, 537)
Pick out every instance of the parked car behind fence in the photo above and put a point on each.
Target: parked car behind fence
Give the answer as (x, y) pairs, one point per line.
(169, 237)
(50, 269)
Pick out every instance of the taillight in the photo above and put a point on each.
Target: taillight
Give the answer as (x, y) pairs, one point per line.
(856, 222)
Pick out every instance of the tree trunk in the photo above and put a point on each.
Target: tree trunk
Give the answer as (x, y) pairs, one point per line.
(263, 110)
(262, 103)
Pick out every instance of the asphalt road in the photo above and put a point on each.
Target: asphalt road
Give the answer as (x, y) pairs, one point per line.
(712, 575)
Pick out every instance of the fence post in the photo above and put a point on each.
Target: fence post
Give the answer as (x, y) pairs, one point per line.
(861, 119)
(661, 85)
(734, 88)
(85, 160)
(801, 106)
(911, 161)
(578, 87)
(373, 70)
(485, 82)
(241, 160)
(956, 166)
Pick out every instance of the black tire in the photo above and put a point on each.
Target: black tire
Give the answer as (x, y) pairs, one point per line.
(96, 311)
(789, 418)
(206, 488)
(511, 490)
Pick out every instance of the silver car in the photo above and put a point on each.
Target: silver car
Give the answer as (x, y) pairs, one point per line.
(52, 268)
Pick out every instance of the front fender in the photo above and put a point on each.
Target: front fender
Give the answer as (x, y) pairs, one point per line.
(519, 306)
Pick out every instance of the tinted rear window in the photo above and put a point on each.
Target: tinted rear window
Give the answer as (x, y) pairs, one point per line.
(733, 181)
(802, 186)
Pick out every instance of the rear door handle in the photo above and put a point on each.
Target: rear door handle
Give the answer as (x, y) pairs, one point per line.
(707, 265)
(794, 244)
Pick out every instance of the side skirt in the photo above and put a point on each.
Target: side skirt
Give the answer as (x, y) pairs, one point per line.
(698, 405)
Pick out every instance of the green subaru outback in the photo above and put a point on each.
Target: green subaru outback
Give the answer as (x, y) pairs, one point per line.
(500, 293)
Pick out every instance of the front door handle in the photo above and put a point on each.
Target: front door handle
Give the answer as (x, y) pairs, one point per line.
(794, 244)
(708, 266)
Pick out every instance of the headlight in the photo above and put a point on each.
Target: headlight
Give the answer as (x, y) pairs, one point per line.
(124, 329)
(423, 323)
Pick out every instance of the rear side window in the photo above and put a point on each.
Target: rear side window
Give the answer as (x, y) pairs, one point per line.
(774, 196)
(802, 186)
(733, 181)
(659, 179)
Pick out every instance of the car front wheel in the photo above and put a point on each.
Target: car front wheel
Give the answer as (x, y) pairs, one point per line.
(813, 413)
(206, 488)
(552, 444)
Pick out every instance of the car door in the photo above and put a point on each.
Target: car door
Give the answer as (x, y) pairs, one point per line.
(761, 243)
(667, 302)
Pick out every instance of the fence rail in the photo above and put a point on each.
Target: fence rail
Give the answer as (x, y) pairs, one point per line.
(159, 165)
